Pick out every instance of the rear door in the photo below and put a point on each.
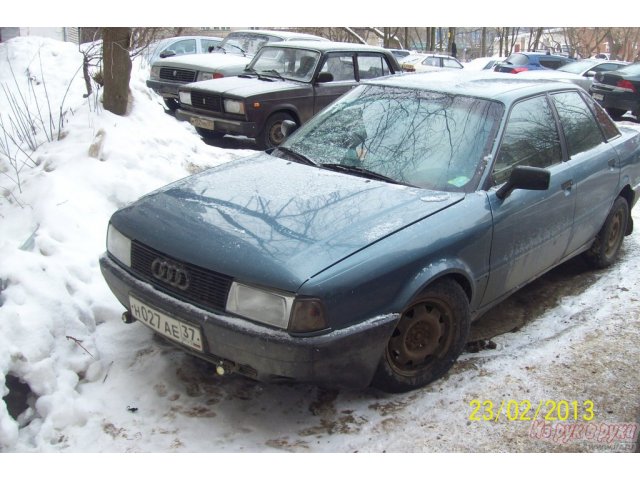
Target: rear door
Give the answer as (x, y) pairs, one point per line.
(593, 160)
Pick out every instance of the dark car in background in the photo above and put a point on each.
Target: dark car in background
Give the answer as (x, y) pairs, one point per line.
(359, 250)
(524, 61)
(228, 59)
(285, 81)
(618, 92)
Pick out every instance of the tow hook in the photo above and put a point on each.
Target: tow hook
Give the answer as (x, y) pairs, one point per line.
(220, 369)
(127, 318)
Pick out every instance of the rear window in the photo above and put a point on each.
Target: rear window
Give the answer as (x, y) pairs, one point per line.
(631, 69)
(551, 63)
(517, 59)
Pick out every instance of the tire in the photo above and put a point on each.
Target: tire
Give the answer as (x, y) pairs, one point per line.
(429, 337)
(606, 246)
(615, 113)
(209, 134)
(171, 103)
(271, 136)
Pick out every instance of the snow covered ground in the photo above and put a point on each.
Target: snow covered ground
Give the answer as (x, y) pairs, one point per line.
(97, 385)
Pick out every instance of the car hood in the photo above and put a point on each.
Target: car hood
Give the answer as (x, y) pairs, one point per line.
(267, 221)
(246, 86)
(204, 61)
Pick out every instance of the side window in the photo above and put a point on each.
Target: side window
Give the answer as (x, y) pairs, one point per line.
(607, 125)
(548, 63)
(183, 46)
(580, 128)
(340, 66)
(372, 65)
(449, 63)
(431, 61)
(530, 138)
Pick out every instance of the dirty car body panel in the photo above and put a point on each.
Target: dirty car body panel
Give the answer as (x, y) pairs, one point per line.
(339, 256)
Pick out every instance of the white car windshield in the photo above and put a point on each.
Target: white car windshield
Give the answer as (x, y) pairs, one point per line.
(291, 63)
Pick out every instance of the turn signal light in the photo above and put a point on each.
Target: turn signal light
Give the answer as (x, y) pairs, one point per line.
(627, 85)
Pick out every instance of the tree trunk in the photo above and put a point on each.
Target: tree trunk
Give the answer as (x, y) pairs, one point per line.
(116, 68)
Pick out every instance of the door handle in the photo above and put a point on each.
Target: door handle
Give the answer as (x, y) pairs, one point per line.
(567, 185)
(612, 162)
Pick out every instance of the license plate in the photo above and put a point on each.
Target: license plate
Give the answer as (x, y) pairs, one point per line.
(598, 97)
(165, 325)
(201, 122)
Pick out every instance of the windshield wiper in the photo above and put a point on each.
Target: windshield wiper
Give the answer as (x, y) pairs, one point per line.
(274, 71)
(298, 156)
(363, 172)
(251, 70)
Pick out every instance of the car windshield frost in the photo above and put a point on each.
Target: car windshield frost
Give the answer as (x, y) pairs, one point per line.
(292, 63)
(245, 43)
(427, 139)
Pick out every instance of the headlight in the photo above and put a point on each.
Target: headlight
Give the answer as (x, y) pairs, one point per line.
(119, 246)
(155, 73)
(260, 305)
(234, 106)
(185, 97)
(204, 76)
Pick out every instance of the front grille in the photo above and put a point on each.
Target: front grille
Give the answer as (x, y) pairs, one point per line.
(206, 101)
(206, 288)
(177, 74)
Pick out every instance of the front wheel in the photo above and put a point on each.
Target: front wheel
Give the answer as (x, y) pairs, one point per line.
(272, 136)
(429, 337)
(606, 246)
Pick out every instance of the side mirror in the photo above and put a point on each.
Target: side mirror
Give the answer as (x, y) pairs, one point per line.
(287, 127)
(590, 74)
(324, 77)
(525, 178)
(167, 53)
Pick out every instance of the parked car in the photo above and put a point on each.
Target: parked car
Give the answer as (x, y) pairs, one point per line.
(618, 92)
(580, 72)
(429, 61)
(523, 61)
(483, 63)
(228, 59)
(184, 45)
(359, 251)
(285, 81)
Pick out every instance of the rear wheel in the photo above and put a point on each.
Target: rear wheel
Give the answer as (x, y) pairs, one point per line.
(606, 247)
(615, 113)
(430, 335)
(272, 135)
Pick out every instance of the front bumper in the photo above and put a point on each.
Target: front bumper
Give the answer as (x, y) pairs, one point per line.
(220, 125)
(166, 89)
(342, 358)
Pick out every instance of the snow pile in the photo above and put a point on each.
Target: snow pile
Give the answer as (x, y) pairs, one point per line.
(52, 233)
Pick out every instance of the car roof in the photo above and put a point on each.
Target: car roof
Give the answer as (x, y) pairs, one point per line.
(502, 87)
(541, 54)
(281, 33)
(326, 46)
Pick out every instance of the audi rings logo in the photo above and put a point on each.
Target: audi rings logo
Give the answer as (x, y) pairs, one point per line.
(170, 273)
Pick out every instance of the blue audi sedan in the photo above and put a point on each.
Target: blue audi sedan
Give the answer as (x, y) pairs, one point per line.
(359, 251)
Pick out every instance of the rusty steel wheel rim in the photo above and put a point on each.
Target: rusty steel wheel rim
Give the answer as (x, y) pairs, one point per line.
(423, 335)
(615, 233)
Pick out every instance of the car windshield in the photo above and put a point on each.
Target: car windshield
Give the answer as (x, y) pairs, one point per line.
(293, 63)
(245, 43)
(577, 67)
(426, 139)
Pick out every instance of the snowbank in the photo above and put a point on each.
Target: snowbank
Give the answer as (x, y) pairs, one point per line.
(52, 233)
